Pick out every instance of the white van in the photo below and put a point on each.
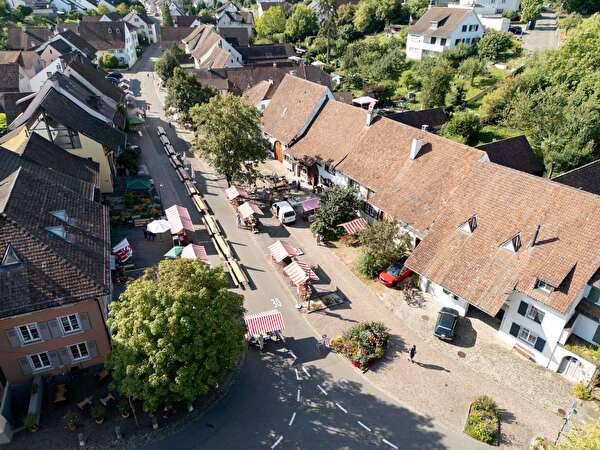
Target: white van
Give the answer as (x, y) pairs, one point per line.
(284, 212)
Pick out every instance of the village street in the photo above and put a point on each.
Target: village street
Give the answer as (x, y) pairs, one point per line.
(397, 404)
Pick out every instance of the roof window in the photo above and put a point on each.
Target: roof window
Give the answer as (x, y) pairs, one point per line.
(543, 286)
(513, 244)
(58, 231)
(434, 24)
(10, 257)
(62, 215)
(470, 225)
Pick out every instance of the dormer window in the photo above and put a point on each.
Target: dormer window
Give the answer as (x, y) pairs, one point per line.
(470, 225)
(58, 231)
(543, 286)
(434, 24)
(513, 244)
(61, 215)
(10, 257)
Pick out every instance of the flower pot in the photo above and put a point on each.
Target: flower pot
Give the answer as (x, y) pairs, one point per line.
(356, 363)
(99, 420)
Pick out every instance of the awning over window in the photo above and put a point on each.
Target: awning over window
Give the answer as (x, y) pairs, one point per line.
(281, 250)
(249, 208)
(311, 204)
(354, 225)
(235, 192)
(264, 322)
(179, 218)
(300, 272)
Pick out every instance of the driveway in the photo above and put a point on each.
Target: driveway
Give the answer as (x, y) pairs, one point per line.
(545, 35)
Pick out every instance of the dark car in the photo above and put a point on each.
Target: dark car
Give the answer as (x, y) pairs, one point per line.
(114, 81)
(395, 273)
(445, 327)
(515, 30)
(117, 75)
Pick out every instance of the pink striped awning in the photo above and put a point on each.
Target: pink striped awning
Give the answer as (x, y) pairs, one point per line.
(249, 208)
(264, 322)
(281, 250)
(235, 192)
(193, 251)
(311, 204)
(300, 272)
(179, 219)
(354, 225)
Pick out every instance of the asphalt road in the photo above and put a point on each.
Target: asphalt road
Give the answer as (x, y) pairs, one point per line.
(313, 401)
(545, 35)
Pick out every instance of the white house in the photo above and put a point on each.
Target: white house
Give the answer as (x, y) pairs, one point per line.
(495, 6)
(490, 19)
(236, 19)
(210, 50)
(144, 24)
(440, 29)
(117, 38)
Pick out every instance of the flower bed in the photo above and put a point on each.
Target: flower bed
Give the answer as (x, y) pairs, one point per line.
(363, 343)
(483, 421)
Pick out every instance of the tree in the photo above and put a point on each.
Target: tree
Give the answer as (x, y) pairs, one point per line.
(471, 67)
(175, 332)
(384, 244)
(272, 22)
(184, 91)
(456, 98)
(365, 18)
(465, 126)
(585, 7)
(328, 12)
(493, 44)
(570, 21)
(586, 437)
(165, 12)
(166, 64)
(102, 9)
(435, 85)
(109, 61)
(338, 205)
(138, 7)
(122, 9)
(302, 23)
(531, 9)
(228, 134)
(416, 8)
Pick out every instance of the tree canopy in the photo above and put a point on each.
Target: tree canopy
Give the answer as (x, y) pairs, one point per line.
(166, 64)
(271, 23)
(464, 126)
(383, 243)
(102, 9)
(228, 135)
(167, 20)
(494, 44)
(122, 9)
(302, 23)
(176, 330)
(184, 91)
(338, 205)
(437, 75)
(531, 9)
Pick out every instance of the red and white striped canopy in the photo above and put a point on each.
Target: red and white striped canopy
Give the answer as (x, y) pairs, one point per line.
(264, 322)
(179, 218)
(235, 192)
(193, 251)
(300, 272)
(354, 225)
(281, 250)
(249, 208)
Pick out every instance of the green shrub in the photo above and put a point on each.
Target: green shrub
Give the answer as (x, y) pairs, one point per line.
(485, 403)
(363, 342)
(482, 423)
(583, 392)
(109, 61)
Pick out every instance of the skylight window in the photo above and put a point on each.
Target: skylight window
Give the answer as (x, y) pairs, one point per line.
(58, 231)
(61, 215)
(470, 225)
(543, 286)
(513, 244)
(10, 257)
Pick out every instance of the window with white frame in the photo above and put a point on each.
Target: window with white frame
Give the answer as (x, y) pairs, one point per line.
(535, 314)
(527, 336)
(29, 333)
(70, 323)
(543, 286)
(40, 361)
(79, 351)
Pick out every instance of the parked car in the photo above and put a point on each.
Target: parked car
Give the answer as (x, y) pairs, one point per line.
(284, 212)
(445, 327)
(114, 81)
(117, 75)
(395, 273)
(515, 30)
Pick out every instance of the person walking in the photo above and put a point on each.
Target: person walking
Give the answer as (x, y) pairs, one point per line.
(145, 231)
(413, 352)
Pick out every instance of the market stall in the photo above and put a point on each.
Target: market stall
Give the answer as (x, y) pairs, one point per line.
(248, 214)
(301, 275)
(310, 207)
(235, 194)
(181, 223)
(281, 251)
(193, 251)
(354, 226)
(267, 324)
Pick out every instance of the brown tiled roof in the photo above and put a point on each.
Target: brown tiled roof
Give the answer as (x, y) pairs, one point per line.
(207, 40)
(52, 271)
(291, 107)
(586, 177)
(98, 35)
(26, 38)
(447, 18)
(507, 202)
(343, 96)
(333, 133)
(173, 35)
(257, 54)
(184, 21)
(9, 77)
(84, 46)
(257, 93)
(236, 36)
(212, 78)
(514, 152)
(195, 33)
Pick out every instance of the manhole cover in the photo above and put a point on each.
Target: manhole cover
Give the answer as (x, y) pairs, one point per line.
(561, 412)
(461, 354)
(425, 317)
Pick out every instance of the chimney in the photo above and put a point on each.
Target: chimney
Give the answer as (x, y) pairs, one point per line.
(535, 235)
(275, 65)
(415, 147)
(371, 114)
(424, 127)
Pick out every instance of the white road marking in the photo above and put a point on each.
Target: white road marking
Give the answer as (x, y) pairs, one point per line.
(298, 395)
(292, 420)
(390, 444)
(363, 425)
(297, 375)
(321, 389)
(306, 372)
(342, 408)
(277, 442)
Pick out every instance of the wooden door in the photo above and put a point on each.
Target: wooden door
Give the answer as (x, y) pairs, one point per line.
(278, 151)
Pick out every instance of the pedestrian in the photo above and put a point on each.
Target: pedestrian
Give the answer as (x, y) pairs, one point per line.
(413, 352)
(145, 232)
(151, 235)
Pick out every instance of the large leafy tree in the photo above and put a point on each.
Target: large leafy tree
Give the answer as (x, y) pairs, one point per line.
(302, 23)
(493, 44)
(122, 9)
(165, 12)
(531, 9)
(184, 91)
(464, 126)
(103, 9)
(167, 63)
(176, 330)
(328, 13)
(383, 243)
(435, 82)
(472, 67)
(338, 205)
(581, 6)
(228, 135)
(272, 23)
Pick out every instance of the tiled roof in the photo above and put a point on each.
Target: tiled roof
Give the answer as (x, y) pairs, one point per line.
(103, 35)
(291, 107)
(26, 38)
(94, 75)
(184, 21)
(174, 35)
(256, 54)
(60, 46)
(506, 202)
(448, 19)
(515, 153)
(9, 77)
(84, 46)
(236, 36)
(586, 177)
(52, 271)
(212, 78)
(257, 93)
(434, 118)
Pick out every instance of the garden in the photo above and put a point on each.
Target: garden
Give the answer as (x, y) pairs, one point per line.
(483, 421)
(363, 343)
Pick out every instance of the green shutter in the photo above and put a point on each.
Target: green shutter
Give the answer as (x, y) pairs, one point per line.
(596, 337)
(523, 308)
(514, 329)
(594, 295)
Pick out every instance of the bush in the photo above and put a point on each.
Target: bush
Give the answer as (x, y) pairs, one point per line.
(384, 244)
(71, 418)
(465, 126)
(583, 392)
(109, 61)
(493, 44)
(98, 412)
(483, 420)
(363, 342)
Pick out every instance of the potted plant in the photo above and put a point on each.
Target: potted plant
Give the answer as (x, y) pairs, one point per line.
(71, 418)
(98, 413)
(124, 409)
(30, 422)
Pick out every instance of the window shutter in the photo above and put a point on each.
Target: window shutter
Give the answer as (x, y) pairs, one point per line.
(523, 308)
(25, 366)
(539, 344)
(514, 329)
(92, 349)
(65, 355)
(596, 337)
(44, 331)
(53, 357)
(55, 329)
(85, 321)
(13, 337)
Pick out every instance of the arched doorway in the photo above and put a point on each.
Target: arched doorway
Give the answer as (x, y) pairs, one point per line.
(278, 151)
(569, 367)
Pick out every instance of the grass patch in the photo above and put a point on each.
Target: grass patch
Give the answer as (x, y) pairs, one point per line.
(584, 349)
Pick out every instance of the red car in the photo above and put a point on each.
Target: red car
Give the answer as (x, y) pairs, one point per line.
(395, 273)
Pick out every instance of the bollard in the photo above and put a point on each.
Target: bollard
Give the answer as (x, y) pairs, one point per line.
(154, 423)
(118, 432)
(81, 440)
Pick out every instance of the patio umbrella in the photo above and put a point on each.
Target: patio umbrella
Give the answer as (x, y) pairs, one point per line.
(159, 226)
(174, 253)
